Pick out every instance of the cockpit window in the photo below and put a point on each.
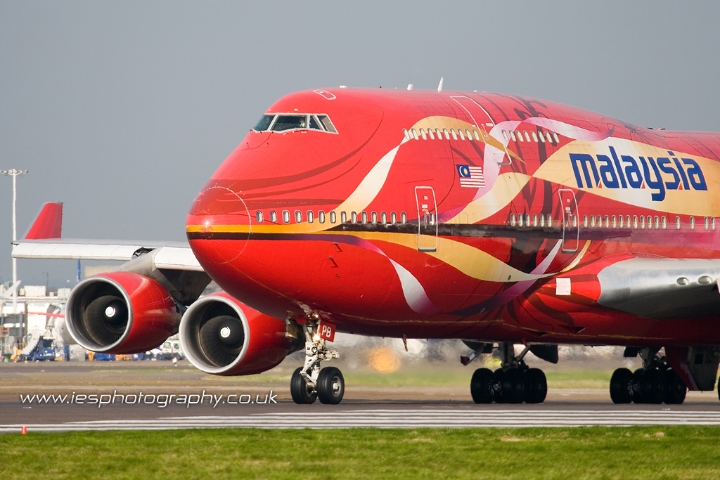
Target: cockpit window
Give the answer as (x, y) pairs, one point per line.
(285, 122)
(289, 122)
(264, 123)
(325, 120)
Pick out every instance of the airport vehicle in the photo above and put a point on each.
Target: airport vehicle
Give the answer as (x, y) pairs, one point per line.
(43, 350)
(497, 219)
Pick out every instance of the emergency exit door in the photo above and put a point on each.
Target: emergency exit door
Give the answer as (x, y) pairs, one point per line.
(427, 219)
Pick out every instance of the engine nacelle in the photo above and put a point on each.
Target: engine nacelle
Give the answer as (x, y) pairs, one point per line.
(121, 312)
(222, 336)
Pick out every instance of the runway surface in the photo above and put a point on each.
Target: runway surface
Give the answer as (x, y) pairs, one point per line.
(396, 418)
(264, 402)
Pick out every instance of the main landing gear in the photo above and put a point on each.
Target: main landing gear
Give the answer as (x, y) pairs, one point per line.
(654, 383)
(309, 382)
(513, 382)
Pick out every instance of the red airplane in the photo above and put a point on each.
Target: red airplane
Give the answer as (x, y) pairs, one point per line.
(495, 219)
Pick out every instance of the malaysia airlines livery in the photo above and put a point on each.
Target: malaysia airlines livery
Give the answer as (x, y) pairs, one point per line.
(495, 219)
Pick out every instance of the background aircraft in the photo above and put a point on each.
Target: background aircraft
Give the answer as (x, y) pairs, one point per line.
(496, 219)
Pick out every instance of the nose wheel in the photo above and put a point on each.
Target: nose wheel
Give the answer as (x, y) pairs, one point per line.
(310, 382)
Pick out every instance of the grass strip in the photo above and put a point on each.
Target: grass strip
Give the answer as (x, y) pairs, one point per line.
(578, 453)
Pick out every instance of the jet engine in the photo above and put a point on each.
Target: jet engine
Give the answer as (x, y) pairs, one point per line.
(222, 336)
(121, 312)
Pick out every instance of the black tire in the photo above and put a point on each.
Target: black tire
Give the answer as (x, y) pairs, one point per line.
(481, 386)
(654, 383)
(330, 386)
(498, 376)
(621, 384)
(675, 389)
(300, 392)
(640, 388)
(535, 386)
(512, 386)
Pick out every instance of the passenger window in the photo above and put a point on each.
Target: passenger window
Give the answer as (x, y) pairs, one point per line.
(614, 222)
(286, 216)
(557, 140)
(621, 221)
(413, 133)
(649, 221)
(383, 217)
(607, 221)
(527, 219)
(512, 219)
(310, 216)
(542, 220)
(430, 132)
(712, 223)
(393, 218)
(454, 135)
(460, 132)
(520, 220)
(405, 133)
(527, 136)
(259, 216)
(592, 220)
(273, 216)
(627, 221)
(343, 217)
(333, 217)
(535, 221)
(289, 122)
(447, 135)
(692, 223)
(549, 220)
(321, 216)
(422, 134)
(512, 135)
(664, 222)
(642, 221)
(677, 223)
(438, 133)
(403, 217)
(540, 135)
(575, 218)
(468, 134)
(657, 222)
(325, 120)
(363, 215)
(707, 223)
(535, 139)
(504, 134)
(520, 136)
(585, 221)
(374, 217)
(635, 221)
(477, 135)
(298, 216)
(264, 123)
(353, 217)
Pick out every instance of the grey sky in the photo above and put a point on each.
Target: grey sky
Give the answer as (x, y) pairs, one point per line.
(122, 110)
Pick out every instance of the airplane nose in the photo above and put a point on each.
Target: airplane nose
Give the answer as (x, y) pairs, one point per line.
(218, 225)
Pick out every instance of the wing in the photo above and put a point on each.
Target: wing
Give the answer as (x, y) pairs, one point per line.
(173, 264)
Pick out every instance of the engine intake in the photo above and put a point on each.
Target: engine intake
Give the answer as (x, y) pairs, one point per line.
(121, 312)
(222, 336)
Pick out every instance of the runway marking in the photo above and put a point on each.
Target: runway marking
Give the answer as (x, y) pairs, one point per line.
(401, 418)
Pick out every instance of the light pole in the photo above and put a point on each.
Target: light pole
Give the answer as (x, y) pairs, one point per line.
(14, 174)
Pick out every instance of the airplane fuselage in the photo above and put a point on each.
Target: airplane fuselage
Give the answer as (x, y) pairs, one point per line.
(465, 215)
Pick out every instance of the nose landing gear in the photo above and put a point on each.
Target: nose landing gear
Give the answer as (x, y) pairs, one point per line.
(514, 382)
(310, 382)
(654, 383)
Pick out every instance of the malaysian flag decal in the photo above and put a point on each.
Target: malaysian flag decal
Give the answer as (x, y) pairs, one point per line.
(471, 176)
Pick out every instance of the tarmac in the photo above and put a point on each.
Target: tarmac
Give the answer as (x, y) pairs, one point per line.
(156, 395)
